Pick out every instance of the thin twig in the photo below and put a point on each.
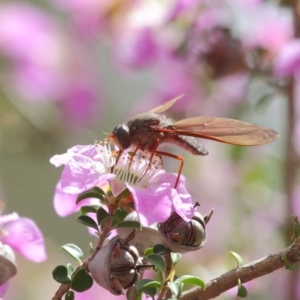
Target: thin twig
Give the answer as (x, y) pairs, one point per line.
(245, 273)
(64, 288)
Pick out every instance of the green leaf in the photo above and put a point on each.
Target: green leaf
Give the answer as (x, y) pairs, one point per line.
(175, 257)
(60, 274)
(151, 291)
(119, 216)
(91, 248)
(131, 292)
(192, 280)
(148, 251)
(94, 192)
(129, 224)
(237, 257)
(157, 261)
(70, 295)
(147, 283)
(87, 209)
(296, 233)
(102, 215)
(242, 291)
(176, 288)
(73, 250)
(160, 249)
(287, 263)
(70, 269)
(81, 281)
(87, 221)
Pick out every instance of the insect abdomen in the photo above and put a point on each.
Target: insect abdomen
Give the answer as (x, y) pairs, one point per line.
(188, 143)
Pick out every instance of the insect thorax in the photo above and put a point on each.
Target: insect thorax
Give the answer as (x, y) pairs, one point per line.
(142, 134)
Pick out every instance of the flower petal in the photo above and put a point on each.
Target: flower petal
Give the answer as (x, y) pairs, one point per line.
(153, 204)
(25, 237)
(64, 204)
(181, 199)
(3, 289)
(78, 175)
(8, 218)
(63, 159)
(82, 171)
(117, 187)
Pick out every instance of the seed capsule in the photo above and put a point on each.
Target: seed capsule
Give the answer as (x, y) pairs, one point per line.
(116, 266)
(181, 236)
(7, 263)
(143, 239)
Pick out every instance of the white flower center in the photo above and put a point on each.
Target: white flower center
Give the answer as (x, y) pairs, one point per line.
(134, 168)
(137, 169)
(107, 157)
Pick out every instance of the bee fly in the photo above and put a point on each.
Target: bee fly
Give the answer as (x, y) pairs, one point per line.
(147, 130)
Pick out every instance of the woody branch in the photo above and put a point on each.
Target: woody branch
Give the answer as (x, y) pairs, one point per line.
(245, 273)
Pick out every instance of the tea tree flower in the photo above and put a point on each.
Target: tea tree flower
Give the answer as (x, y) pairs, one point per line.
(84, 168)
(23, 236)
(150, 187)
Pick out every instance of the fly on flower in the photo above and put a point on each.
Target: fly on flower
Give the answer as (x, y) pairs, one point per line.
(147, 130)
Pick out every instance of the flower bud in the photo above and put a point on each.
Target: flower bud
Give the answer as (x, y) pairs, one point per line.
(181, 236)
(116, 266)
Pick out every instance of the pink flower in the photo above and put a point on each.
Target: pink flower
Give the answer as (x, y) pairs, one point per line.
(269, 27)
(84, 168)
(28, 33)
(36, 82)
(31, 39)
(287, 61)
(3, 289)
(137, 48)
(85, 15)
(80, 100)
(64, 203)
(23, 236)
(152, 189)
(44, 67)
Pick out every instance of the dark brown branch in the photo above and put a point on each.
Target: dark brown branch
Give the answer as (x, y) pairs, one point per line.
(246, 273)
(63, 289)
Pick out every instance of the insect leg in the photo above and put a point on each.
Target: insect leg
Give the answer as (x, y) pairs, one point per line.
(153, 151)
(180, 158)
(118, 157)
(132, 156)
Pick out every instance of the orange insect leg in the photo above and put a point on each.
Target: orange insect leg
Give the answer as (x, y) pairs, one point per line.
(180, 158)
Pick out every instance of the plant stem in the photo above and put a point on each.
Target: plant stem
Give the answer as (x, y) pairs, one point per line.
(246, 273)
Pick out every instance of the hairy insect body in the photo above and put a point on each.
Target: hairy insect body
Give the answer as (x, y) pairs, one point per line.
(147, 130)
(144, 135)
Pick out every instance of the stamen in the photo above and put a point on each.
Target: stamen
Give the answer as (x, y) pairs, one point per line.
(131, 167)
(107, 157)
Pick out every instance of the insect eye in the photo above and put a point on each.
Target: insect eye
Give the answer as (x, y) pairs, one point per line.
(122, 134)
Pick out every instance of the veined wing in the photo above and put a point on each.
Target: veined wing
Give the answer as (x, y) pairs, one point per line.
(224, 130)
(160, 109)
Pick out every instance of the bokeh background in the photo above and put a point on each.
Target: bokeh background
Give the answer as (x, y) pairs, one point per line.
(71, 70)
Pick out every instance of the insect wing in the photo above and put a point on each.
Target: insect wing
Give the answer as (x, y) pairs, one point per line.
(224, 130)
(160, 109)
